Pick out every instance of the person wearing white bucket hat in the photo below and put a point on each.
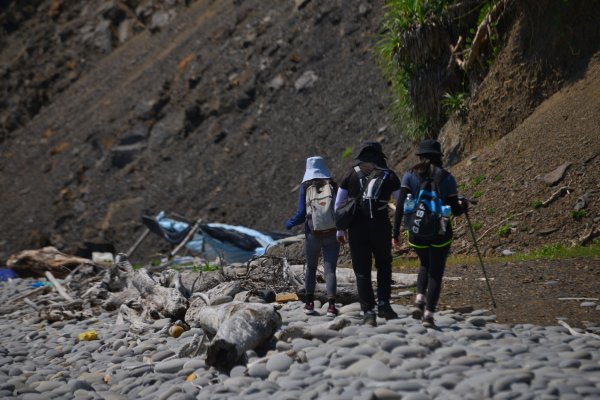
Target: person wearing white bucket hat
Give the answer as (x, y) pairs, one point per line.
(315, 169)
(316, 200)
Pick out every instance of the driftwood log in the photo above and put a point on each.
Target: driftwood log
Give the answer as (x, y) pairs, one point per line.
(34, 263)
(345, 293)
(235, 327)
(346, 284)
(323, 331)
(159, 301)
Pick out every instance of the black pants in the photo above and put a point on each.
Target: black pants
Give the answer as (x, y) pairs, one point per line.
(368, 239)
(431, 272)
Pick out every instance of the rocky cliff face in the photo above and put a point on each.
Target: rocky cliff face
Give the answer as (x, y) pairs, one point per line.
(209, 109)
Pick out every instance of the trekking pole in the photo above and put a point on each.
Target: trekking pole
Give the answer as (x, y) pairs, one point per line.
(477, 250)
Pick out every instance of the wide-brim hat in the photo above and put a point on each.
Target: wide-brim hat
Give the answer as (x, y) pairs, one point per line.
(315, 169)
(370, 145)
(429, 146)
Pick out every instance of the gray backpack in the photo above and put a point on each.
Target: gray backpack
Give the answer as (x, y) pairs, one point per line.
(320, 201)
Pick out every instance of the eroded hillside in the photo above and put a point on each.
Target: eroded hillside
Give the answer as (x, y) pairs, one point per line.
(209, 109)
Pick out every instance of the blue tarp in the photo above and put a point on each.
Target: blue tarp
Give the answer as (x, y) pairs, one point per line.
(6, 274)
(231, 242)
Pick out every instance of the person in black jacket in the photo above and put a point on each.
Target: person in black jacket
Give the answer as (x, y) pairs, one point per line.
(433, 253)
(370, 233)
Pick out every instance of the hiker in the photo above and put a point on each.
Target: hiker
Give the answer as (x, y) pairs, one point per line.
(315, 209)
(370, 232)
(432, 251)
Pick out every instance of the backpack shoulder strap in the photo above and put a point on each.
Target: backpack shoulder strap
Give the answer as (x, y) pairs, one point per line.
(361, 176)
(439, 175)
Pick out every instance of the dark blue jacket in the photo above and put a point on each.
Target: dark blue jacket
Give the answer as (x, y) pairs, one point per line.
(300, 216)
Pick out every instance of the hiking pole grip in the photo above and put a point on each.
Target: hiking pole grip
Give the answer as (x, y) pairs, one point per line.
(480, 259)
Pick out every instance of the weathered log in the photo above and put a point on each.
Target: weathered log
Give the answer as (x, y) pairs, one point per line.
(162, 302)
(65, 311)
(230, 288)
(34, 263)
(59, 288)
(235, 327)
(345, 293)
(115, 300)
(133, 314)
(201, 282)
(346, 284)
(324, 331)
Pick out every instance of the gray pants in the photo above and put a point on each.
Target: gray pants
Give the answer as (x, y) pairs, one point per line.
(331, 250)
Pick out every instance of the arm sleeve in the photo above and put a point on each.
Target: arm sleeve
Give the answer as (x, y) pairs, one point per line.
(395, 195)
(300, 215)
(452, 196)
(405, 188)
(342, 195)
(399, 212)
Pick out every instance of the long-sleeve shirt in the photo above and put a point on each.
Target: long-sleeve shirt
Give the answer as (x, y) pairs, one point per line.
(300, 216)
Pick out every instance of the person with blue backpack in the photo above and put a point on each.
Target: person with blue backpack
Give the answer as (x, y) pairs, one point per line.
(429, 194)
(315, 210)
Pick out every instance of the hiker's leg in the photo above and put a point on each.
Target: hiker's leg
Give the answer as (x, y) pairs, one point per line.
(423, 276)
(382, 250)
(437, 259)
(331, 250)
(312, 249)
(360, 251)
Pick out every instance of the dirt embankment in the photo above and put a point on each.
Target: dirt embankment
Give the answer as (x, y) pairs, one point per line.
(209, 109)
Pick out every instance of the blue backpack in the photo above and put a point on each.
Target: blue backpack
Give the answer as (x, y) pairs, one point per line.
(424, 221)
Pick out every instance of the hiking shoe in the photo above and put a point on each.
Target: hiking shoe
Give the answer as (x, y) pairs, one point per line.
(370, 318)
(332, 311)
(309, 308)
(417, 313)
(386, 311)
(428, 322)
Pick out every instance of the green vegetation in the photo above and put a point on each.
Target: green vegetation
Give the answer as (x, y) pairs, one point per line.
(477, 194)
(195, 267)
(503, 231)
(477, 226)
(401, 17)
(477, 180)
(578, 214)
(455, 104)
(537, 204)
(490, 210)
(413, 52)
(347, 152)
(546, 252)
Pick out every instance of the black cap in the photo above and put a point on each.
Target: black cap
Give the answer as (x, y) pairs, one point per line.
(370, 145)
(429, 146)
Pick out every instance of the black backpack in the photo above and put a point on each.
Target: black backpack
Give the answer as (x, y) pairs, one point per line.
(424, 219)
(367, 202)
(370, 186)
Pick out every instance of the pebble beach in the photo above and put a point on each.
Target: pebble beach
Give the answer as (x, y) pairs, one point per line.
(469, 356)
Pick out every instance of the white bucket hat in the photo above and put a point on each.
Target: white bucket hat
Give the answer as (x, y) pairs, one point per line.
(315, 169)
